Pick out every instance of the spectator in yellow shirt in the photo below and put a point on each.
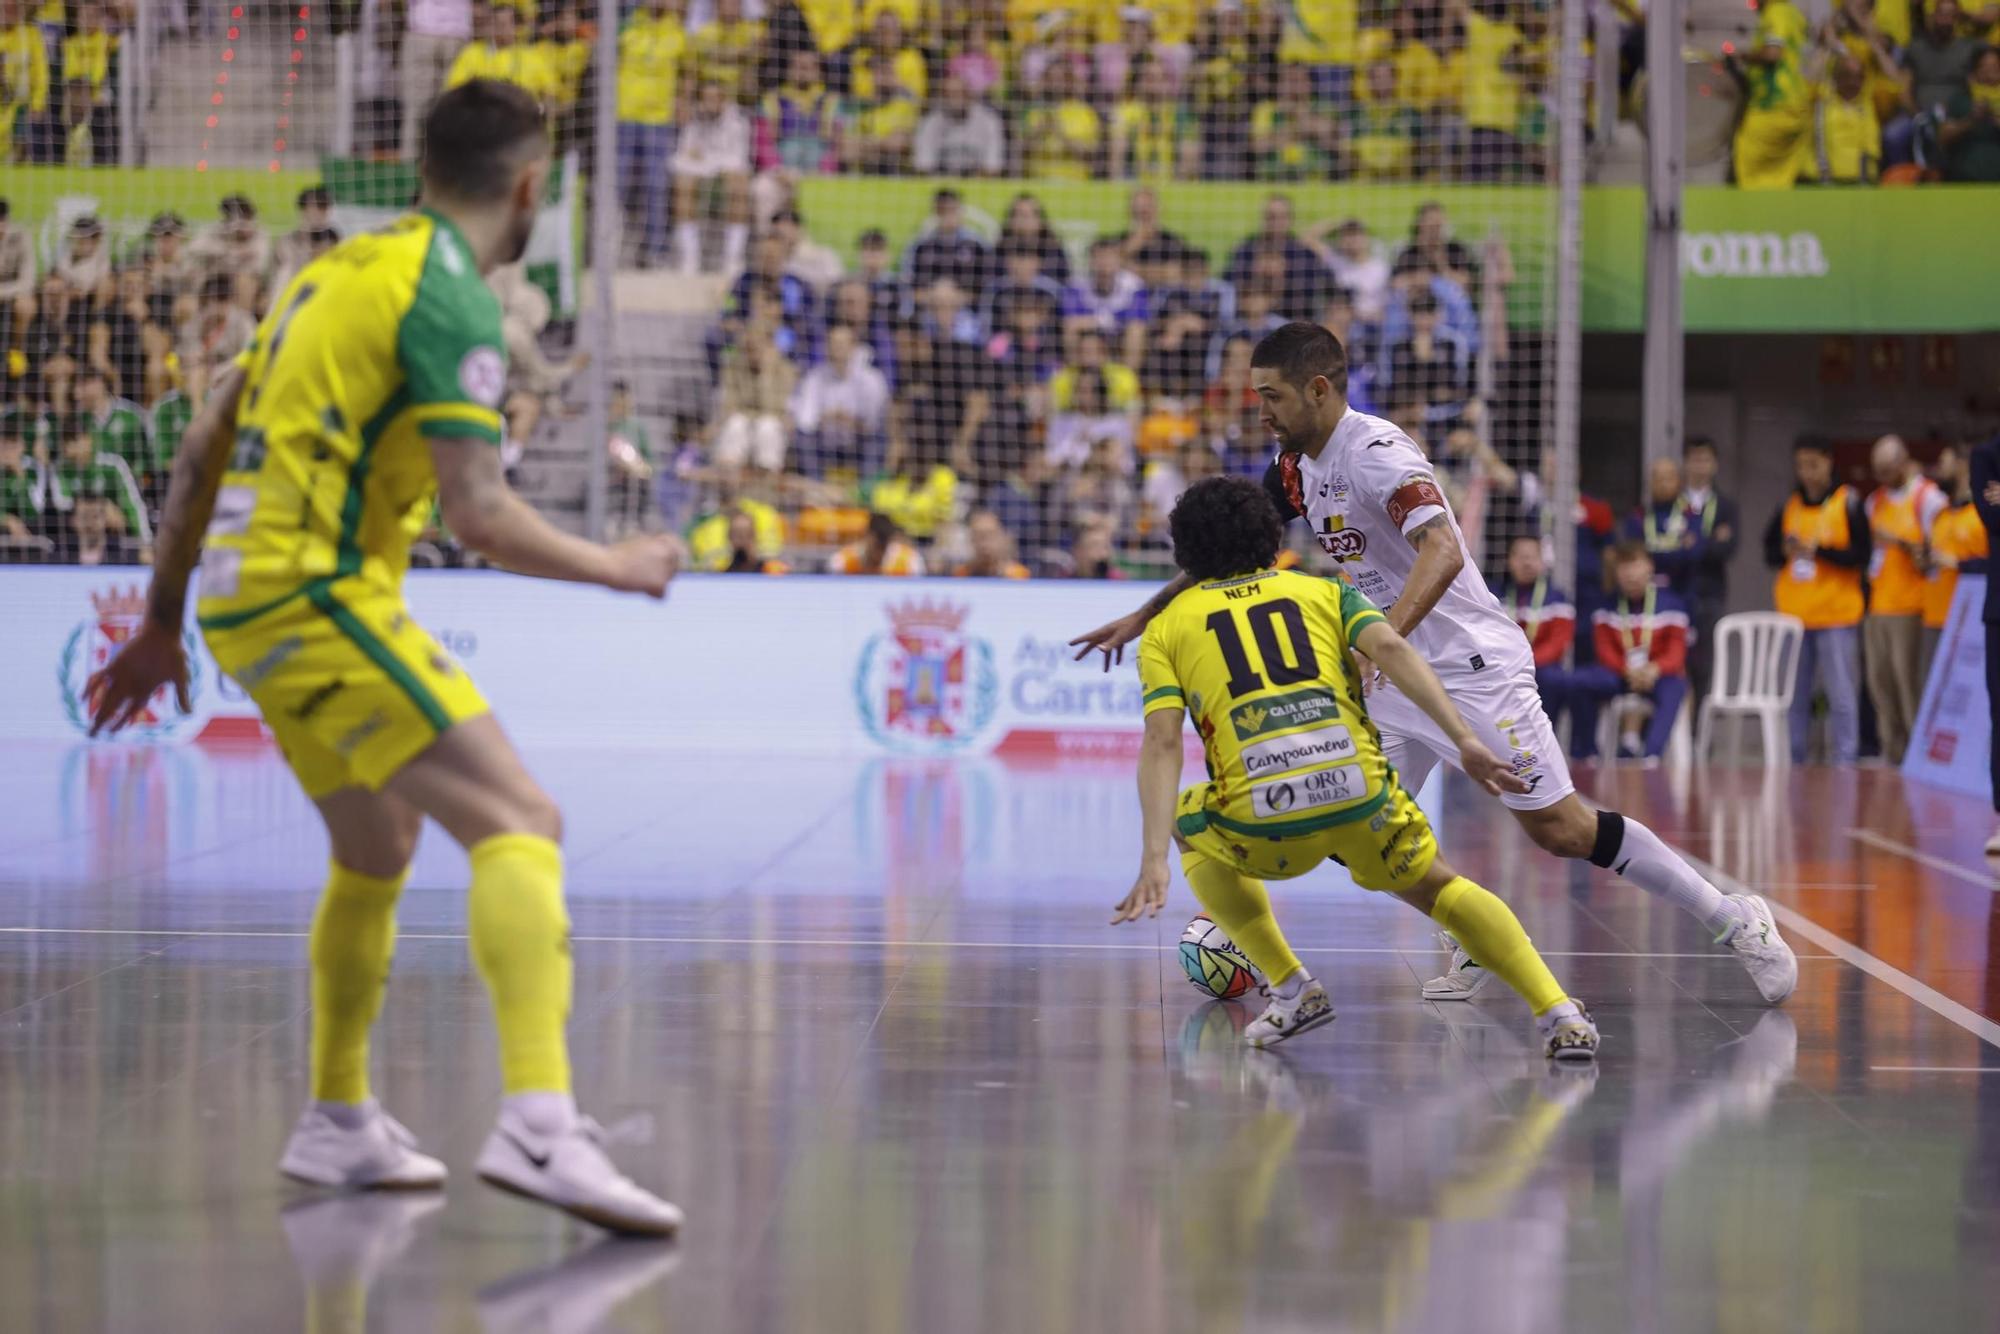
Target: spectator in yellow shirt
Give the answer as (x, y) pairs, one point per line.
(1321, 34)
(880, 128)
(1063, 133)
(86, 57)
(1152, 135)
(651, 49)
(1293, 136)
(1489, 83)
(24, 86)
(831, 23)
(1847, 137)
(887, 51)
(504, 57)
(565, 52)
(1772, 138)
(728, 49)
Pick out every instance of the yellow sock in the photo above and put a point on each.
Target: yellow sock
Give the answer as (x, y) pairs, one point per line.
(1240, 907)
(353, 937)
(520, 943)
(1492, 935)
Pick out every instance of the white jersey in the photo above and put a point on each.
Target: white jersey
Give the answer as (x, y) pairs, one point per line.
(1370, 487)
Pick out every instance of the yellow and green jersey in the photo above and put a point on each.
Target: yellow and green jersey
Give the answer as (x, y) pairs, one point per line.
(1780, 89)
(1261, 663)
(390, 339)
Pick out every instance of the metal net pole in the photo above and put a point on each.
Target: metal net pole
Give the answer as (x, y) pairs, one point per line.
(1567, 379)
(596, 331)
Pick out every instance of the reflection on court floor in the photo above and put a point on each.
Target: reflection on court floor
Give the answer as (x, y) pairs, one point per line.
(866, 1024)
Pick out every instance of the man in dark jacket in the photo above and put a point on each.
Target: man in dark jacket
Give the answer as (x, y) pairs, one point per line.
(1713, 517)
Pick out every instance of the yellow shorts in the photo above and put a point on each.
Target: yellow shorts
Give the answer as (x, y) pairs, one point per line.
(1392, 849)
(348, 682)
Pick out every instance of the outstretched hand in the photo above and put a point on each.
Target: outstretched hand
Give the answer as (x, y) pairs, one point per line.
(120, 691)
(1148, 896)
(1110, 639)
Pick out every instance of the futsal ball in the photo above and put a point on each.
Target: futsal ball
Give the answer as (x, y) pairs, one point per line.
(1213, 963)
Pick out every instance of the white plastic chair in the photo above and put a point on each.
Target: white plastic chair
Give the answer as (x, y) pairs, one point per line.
(1756, 671)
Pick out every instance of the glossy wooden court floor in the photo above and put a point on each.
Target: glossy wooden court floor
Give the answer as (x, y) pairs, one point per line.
(865, 1022)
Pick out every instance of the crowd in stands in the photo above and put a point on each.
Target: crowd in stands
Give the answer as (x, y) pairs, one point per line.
(1902, 93)
(1068, 398)
(1869, 570)
(107, 348)
(59, 81)
(1150, 89)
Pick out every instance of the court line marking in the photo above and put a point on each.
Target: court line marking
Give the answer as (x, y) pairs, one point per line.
(821, 942)
(1941, 1069)
(1921, 992)
(1890, 845)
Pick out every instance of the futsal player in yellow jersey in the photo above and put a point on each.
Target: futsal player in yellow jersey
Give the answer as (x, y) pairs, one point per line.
(1262, 659)
(370, 392)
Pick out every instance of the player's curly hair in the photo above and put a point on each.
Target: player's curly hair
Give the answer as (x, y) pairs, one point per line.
(1223, 526)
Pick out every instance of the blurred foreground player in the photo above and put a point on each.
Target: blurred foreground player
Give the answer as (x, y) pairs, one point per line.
(1262, 658)
(1375, 505)
(372, 388)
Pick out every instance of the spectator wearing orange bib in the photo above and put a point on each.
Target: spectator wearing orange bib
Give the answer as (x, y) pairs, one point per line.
(1958, 541)
(883, 550)
(1818, 543)
(1901, 510)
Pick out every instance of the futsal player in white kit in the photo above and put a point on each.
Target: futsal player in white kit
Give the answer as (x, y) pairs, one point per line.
(1374, 504)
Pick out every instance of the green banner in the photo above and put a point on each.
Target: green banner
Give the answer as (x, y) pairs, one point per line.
(45, 199)
(1822, 260)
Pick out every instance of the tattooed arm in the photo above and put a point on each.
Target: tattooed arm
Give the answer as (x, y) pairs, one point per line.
(1111, 638)
(1439, 559)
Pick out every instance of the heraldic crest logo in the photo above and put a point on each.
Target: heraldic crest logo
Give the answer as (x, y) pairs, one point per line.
(924, 684)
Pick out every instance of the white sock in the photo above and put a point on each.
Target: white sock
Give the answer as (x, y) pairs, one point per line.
(1651, 865)
(735, 240)
(346, 1115)
(545, 1113)
(687, 239)
(1289, 989)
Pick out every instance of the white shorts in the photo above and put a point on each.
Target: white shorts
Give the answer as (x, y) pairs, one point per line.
(757, 440)
(1505, 712)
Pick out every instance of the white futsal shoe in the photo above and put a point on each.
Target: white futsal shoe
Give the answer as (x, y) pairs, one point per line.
(1463, 981)
(378, 1154)
(1770, 961)
(571, 1172)
(1284, 1018)
(1568, 1033)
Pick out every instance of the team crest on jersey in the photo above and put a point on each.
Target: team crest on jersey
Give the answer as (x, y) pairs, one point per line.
(1341, 542)
(116, 617)
(482, 375)
(925, 684)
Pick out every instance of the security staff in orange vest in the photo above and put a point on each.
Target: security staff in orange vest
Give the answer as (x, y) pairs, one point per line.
(1901, 510)
(1958, 539)
(1818, 543)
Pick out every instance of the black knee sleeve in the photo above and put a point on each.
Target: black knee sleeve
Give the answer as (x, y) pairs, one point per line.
(1610, 837)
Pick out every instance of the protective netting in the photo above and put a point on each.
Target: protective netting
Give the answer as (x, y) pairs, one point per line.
(900, 284)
